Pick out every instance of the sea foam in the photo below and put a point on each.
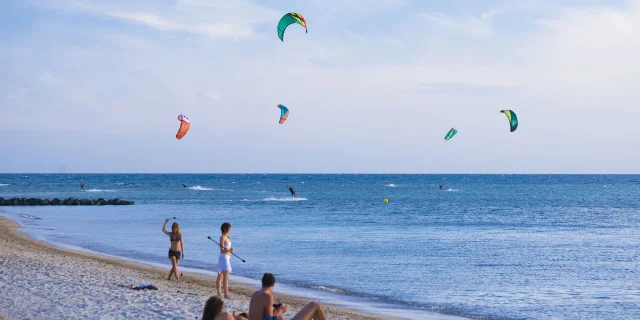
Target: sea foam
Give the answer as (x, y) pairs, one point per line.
(284, 199)
(200, 188)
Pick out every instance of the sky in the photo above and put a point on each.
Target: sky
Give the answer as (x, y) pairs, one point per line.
(94, 86)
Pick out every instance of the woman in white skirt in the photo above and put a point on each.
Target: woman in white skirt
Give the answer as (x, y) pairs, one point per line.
(224, 266)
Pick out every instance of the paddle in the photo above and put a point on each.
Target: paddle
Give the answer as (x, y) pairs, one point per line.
(231, 252)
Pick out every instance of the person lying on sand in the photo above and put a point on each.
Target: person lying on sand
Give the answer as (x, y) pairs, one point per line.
(261, 305)
(213, 310)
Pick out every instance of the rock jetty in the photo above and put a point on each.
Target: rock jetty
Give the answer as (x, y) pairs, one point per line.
(65, 202)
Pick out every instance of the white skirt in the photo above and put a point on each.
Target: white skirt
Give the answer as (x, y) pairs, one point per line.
(224, 263)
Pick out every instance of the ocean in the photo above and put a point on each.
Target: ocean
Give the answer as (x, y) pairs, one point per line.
(487, 247)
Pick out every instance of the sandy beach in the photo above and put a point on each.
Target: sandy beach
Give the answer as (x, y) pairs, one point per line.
(40, 281)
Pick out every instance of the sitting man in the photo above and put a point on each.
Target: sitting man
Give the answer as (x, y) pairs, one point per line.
(261, 305)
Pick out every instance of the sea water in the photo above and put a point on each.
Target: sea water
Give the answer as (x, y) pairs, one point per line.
(488, 246)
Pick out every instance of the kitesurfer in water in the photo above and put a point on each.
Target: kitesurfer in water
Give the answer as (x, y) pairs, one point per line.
(82, 186)
(184, 185)
(386, 182)
(293, 193)
(441, 187)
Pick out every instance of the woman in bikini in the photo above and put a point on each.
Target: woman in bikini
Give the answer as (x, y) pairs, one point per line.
(224, 264)
(177, 247)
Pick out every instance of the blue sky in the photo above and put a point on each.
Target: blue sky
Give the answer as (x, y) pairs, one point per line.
(96, 86)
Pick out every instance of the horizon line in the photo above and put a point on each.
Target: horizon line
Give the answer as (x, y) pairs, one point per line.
(307, 173)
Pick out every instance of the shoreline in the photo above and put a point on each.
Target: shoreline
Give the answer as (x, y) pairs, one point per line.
(16, 247)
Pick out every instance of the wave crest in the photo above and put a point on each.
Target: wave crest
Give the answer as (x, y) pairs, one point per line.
(99, 190)
(334, 290)
(28, 216)
(284, 199)
(200, 188)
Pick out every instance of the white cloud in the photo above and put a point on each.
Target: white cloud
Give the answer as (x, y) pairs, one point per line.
(212, 30)
(358, 7)
(457, 88)
(48, 78)
(478, 26)
(16, 96)
(589, 52)
(210, 94)
(78, 98)
(215, 19)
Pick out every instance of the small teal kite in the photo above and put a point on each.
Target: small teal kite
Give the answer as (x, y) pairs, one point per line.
(450, 134)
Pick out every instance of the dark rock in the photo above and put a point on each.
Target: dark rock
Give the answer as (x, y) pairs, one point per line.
(65, 202)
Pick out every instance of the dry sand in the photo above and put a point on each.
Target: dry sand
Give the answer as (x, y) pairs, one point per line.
(40, 281)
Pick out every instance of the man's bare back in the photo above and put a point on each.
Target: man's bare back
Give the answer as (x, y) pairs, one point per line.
(261, 305)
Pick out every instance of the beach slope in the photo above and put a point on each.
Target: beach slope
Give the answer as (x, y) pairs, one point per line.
(39, 281)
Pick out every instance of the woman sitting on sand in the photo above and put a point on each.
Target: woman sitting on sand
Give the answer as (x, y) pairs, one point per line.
(213, 311)
(177, 247)
(224, 264)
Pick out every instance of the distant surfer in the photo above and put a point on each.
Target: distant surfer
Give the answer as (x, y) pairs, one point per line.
(184, 185)
(386, 182)
(293, 193)
(82, 186)
(441, 187)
